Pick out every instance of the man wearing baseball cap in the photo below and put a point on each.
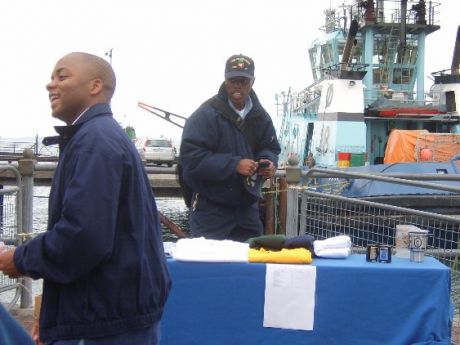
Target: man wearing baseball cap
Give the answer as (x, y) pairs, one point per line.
(228, 146)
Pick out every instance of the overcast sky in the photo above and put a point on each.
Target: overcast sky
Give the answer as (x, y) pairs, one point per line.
(169, 54)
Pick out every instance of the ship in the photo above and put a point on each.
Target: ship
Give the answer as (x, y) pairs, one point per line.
(368, 109)
(368, 69)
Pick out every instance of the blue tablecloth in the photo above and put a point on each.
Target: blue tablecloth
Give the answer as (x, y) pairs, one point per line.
(11, 332)
(357, 303)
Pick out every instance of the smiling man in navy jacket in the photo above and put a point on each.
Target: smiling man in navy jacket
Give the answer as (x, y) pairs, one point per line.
(102, 260)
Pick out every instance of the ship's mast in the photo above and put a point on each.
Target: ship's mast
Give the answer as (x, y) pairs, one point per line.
(456, 54)
(393, 38)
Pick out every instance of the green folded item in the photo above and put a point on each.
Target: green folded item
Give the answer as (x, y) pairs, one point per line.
(267, 241)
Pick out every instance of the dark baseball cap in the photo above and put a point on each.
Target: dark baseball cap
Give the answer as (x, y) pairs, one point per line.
(239, 66)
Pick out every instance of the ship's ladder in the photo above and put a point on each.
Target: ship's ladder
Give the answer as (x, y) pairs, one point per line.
(285, 110)
(389, 58)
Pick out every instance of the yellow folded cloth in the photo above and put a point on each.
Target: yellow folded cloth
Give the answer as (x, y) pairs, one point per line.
(283, 256)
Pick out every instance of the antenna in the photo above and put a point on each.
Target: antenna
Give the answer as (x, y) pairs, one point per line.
(109, 54)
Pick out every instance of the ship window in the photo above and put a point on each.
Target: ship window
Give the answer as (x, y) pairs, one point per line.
(316, 63)
(340, 48)
(313, 63)
(409, 55)
(402, 75)
(326, 53)
(450, 101)
(380, 51)
(312, 53)
(413, 56)
(380, 75)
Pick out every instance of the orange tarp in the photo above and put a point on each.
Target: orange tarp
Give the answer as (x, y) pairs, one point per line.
(401, 145)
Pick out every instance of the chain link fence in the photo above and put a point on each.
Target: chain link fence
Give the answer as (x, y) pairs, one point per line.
(325, 212)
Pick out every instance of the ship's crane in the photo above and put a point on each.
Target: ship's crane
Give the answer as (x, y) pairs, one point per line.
(163, 114)
(166, 115)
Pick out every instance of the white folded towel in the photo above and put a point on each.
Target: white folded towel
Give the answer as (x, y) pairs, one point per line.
(168, 248)
(201, 249)
(335, 247)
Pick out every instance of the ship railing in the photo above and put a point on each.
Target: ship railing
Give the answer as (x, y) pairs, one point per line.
(386, 11)
(317, 205)
(401, 97)
(447, 76)
(294, 100)
(352, 70)
(334, 20)
(389, 11)
(307, 106)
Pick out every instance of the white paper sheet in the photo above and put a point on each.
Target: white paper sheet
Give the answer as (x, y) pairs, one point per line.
(290, 296)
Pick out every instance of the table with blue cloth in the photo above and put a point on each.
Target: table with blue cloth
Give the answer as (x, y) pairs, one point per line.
(356, 303)
(11, 332)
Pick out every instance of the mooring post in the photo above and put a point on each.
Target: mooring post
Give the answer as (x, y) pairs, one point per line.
(283, 187)
(293, 175)
(268, 205)
(26, 167)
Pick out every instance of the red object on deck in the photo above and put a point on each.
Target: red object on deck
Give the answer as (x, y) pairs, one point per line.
(409, 111)
(426, 154)
(344, 156)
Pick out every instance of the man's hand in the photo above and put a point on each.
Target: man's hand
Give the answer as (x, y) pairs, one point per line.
(7, 264)
(268, 171)
(36, 332)
(247, 167)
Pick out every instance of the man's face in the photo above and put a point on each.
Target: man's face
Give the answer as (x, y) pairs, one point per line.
(69, 88)
(238, 89)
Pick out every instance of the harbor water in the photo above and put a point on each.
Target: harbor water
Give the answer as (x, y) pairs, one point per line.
(172, 208)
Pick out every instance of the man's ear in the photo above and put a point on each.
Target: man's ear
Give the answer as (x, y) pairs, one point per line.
(96, 87)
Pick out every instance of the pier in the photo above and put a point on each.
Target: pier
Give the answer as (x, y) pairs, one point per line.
(162, 179)
(297, 202)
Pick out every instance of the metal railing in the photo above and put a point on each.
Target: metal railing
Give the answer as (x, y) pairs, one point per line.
(324, 212)
(10, 222)
(17, 147)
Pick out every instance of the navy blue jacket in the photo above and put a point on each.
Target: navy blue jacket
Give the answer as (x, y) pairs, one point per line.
(212, 146)
(102, 258)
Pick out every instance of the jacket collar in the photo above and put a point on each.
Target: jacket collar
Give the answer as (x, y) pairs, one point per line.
(68, 131)
(93, 111)
(256, 106)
